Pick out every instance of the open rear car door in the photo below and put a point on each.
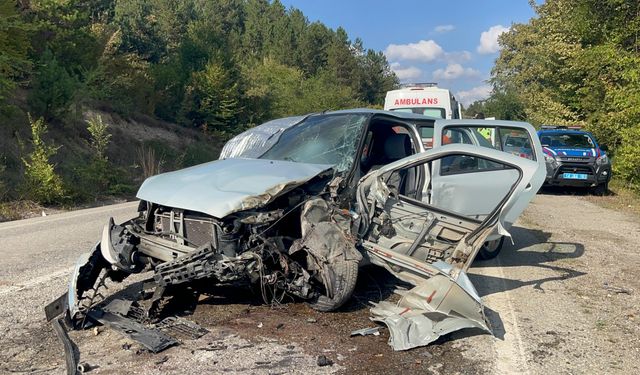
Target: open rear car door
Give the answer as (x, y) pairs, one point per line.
(432, 243)
(515, 138)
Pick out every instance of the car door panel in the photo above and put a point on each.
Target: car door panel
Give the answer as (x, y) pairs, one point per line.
(491, 179)
(423, 233)
(402, 226)
(461, 192)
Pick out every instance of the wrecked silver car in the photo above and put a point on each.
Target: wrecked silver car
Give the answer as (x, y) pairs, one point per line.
(293, 207)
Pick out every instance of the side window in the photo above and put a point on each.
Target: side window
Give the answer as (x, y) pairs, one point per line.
(517, 142)
(471, 197)
(456, 135)
(426, 134)
(456, 164)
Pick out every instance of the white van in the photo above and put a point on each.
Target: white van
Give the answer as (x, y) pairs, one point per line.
(425, 99)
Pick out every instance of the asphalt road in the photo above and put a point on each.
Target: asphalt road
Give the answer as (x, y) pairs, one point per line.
(35, 251)
(563, 298)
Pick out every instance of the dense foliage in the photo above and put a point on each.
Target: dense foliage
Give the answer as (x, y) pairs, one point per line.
(222, 64)
(576, 63)
(208, 68)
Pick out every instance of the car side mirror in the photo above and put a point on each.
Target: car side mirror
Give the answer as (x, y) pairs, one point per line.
(604, 148)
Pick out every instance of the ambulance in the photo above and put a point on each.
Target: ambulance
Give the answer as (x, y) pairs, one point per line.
(425, 99)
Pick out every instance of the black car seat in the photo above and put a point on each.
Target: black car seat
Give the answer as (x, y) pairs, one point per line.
(396, 147)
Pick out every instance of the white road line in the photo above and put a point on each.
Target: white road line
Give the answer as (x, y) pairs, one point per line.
(511, 356)
(38, 280)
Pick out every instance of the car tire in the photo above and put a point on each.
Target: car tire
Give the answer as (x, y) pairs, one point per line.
(601, 189)
(490, 249)
(346, 275)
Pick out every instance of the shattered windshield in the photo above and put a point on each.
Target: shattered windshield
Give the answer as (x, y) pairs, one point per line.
(321, 139)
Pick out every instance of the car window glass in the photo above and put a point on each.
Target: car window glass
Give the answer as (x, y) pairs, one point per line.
(582, 141)
(455, 135)
(321, 139)
(515, 141)
(431, 112)
(426, 134)
(455, 164)
(472, 196)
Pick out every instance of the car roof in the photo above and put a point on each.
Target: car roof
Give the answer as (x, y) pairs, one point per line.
(397, 114)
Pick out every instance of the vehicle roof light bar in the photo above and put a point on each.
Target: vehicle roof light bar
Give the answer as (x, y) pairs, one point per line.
(419, 84)
(572, 127)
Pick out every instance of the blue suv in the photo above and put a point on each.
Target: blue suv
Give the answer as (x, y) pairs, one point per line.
(574, 158)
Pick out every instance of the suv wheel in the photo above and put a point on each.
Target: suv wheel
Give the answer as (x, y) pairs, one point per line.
(601, 189)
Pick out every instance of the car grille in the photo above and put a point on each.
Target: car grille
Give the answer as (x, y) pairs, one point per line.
(198, 231)
(575, 169)
(573, 158)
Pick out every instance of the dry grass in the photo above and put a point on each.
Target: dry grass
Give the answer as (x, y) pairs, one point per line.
(621, 198)
(148, 162)
(17, 210)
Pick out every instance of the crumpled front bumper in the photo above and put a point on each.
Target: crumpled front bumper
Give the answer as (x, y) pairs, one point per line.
(596, 174)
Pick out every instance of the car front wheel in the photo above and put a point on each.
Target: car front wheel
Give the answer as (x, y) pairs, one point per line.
(342, 285)
(601, 189)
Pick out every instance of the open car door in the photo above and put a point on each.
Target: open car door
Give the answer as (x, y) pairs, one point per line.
(431, 245)
(515, 138)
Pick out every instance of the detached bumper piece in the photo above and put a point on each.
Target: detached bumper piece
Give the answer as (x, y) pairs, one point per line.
(150, 338)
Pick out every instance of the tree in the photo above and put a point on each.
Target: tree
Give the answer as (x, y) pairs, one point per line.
(41, 183)
(53, 88)
(212, 98)
(14, 45)
(578, 63)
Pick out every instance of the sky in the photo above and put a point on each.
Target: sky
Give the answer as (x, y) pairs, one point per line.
(453, 43)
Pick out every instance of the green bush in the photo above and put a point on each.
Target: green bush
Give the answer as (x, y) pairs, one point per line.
(98, 172)
(41, 183)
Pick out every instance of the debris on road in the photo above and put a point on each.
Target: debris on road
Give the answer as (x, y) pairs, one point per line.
(367, 331)
(423, 314)
(615, 289)
(324, 361)
(84, 367)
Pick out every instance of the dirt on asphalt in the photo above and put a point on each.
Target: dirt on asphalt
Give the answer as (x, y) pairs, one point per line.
(562, 299)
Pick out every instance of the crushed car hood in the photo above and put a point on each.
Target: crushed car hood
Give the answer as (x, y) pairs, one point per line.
(221, 187)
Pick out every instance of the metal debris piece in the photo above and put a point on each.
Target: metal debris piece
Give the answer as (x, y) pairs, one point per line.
(119, 306)
(181, 328)
(152, 339)
(56, 307)
(69, 357)
(366, 331)
(162, 360)
(433, 308)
